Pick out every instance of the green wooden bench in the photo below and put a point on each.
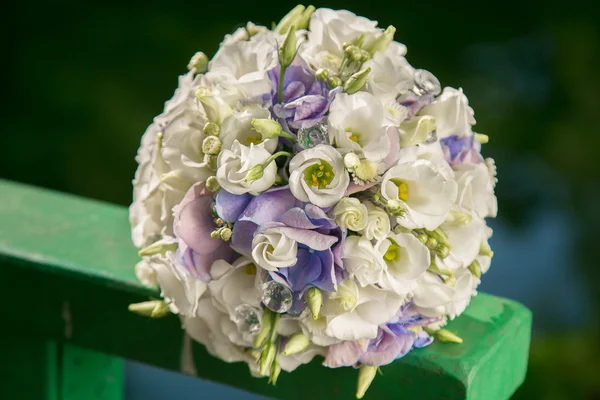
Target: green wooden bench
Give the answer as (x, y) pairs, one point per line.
(67, 279)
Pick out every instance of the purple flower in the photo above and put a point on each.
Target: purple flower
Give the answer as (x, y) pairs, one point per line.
(394, 340)
(461, 150)
(305, 98)
(192, 225)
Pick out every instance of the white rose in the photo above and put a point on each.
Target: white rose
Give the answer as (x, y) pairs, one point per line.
(351, 214)
(355, 312)
(391, 75)
(378, 224)
(357, 124)
(406, 260)
(178, 287)
(273, 250)
(452, 113)
(238, 126)
(234, 165)
(425, 192)
(476, 189)
(362, 261)
(434, 298)
(170, 160)
(318, 176)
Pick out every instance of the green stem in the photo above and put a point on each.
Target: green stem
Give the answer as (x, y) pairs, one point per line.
(280, 86)
(274, 156)
(287, 136)
(274, 327)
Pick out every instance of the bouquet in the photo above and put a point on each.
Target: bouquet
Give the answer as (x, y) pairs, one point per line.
(307, 192)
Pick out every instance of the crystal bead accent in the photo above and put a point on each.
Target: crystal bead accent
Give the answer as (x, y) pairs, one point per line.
(277, 297)
(248, 319)
(310, 137)
(426, 83)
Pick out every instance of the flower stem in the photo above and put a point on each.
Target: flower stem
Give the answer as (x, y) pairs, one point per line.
(280, 86)
(274, 156)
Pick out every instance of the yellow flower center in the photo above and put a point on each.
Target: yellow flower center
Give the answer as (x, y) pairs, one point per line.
(319, 175)
(345, 295)
(250, 269)
(253, 140)
(392, 253)
(354, 136)
(402, 189)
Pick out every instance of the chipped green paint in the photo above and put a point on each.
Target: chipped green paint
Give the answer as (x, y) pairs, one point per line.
(70, 264)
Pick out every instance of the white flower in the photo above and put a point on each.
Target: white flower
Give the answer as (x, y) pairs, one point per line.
(234, 165)
(406, 260)
(425, 192)
(273, 250)
(318, 176)
(178, 287)
(391, 75)
(238, 127)
(452, 113)
(145, 273)
(241, 66)
(291, 362)
(378, 224)
(363, 261)
(357, 124)
(434, 298)
(238, 284)
(315, 330)
(243, 33)
(170, 160)
(355, 312)
(476, 189)
(465, 236)
(484, 258)
(351, 214)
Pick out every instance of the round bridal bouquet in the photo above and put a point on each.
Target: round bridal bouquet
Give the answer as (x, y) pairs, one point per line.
(307, 192)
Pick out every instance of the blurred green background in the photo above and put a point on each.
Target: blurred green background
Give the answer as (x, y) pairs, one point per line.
(82, 81)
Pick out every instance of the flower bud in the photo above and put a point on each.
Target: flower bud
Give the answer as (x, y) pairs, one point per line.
(475, 269)
(254, 173)
(314, 299)
(395, 208)
(211, 161)
(445, 336)
(267, 128)
(351, 161)
(322, 74)
(366, 171)
(199, 62)
(290, 18)
(152, 309)
(216, 234)
(334, 81)
(354, 53)
(481, 138)
(225, 234)
(382, 42)
(211, 145)
(267, 355)
(215, 107)
(431, 243)
(212, 184)
(267, 324)
(211, 129)
(274, 375)
(485, 250)
(442, 251)
(357, 81)
(160, 247)
(297, 344)
(366, 374)
(302, 21)
(287, 51)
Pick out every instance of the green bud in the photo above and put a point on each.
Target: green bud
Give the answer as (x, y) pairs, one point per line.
(382, 42)
(211, 129)
(254, 173)
(322, 74)
(275, 371)
(442, 251)
(211, 145)
(302, 21)
(152, 309)
(433, 268)
(267, 128)
(445, 336)
(212, 184)
(297, 344)
(267, 355)
(422, 238)
(225, 234)
(267, 324)
(431, 243)
(357, 81)
(485, 250)
(475, 269)
(216, 234)
(395, 208)
(440, 236)
(287, 51)
(366, 374)
(159, 247)
(314, 298)
(286, 22)
(215, 107)
(199, 62)
(351, 161)
(354, 53)
(481, 138)
(334, 81)
(211, 161)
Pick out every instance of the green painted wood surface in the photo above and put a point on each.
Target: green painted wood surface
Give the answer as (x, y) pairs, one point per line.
(70, 262)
